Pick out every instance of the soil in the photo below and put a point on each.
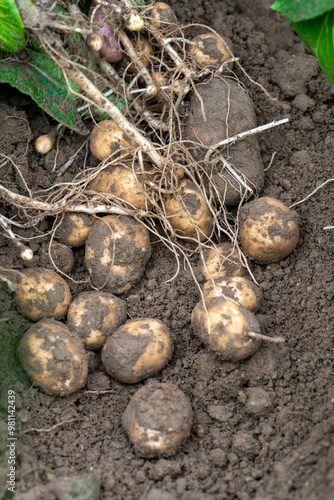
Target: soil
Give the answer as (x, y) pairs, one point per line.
(263, 428)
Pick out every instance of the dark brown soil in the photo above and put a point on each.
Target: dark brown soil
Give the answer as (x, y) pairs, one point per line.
(263, 428)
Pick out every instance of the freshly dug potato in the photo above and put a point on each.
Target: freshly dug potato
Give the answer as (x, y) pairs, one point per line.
(144, 51)
(94, 316)
(137, 350)
(188, 212)
(162, 15)
(229, 111)
(221, 262)
(210, 50)
(238, 288)
(107, 138)
(54, 358)
(158, 419)
(42, 293)
(74, 229)
(121, 182)
(268, 230)
(224, 327)
(62, 256)
(117, 251)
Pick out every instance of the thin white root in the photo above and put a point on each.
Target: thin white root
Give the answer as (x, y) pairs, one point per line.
(235, 175)
(275, 340)
(328, 227)
(25, 252)
(54, 426)
(311, 194)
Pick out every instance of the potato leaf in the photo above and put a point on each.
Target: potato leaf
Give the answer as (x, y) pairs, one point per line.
(302, 10)
(12, 37)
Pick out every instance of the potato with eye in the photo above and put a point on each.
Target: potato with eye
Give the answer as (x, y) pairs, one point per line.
(117, 251)
(223, 260)
(188, 212)
(120, 181)
(226, 328)
(268, 230)
(54, 358)
(238, 288)
(42, 293)
(94, 316)
(158, 420)
(137, 350)
(107, 138)
(74, 229)
(211, 50)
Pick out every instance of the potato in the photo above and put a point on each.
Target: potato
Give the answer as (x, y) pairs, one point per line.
(107, 138)
(229, 111)
(117, 251)
(188, 212)
(222, 261)
(162, 15)
(210, 50)
(137, 350)
(94, 316)
(62, 257)
(54, 358)
(238, 288)
(74, 229)
(144, 51)
(224, 327)
(268, 230)
(121, 182)
(42, 293)
(158, 419)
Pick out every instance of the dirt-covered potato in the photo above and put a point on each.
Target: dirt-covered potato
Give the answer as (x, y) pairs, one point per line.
(224, 327)
(222, 261)
(137, 350)
(238, 288)
(42, 293)
(162, 15)
(268, 230)
(54, 358)
(120, 181)
(158, 419)
(107, 138)
(62, 256)
(117, 251)
(228, 111)
(188, 212)
(94, 316)
(144, 51)
(210, 50)
(74, 229)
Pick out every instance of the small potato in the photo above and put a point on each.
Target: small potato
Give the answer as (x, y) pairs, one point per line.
(42, 293)
(74, 229)
(158, 420)
(188, 212)
(137, 350)
(162, 16)
(54, 358)
(121, 182)
(224, 327)
(117, 251)
(222, 261)
(107, 138)
(268, 230)
(94, 316)
(144, 51)
(62, 256)
(210, 50)
(238, 288)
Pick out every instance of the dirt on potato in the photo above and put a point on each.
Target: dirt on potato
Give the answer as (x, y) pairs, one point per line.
(263, 428)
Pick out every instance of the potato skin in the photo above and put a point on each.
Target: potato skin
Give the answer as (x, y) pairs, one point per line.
(74, 229)
(268, 230)
(223, 326)
(186, 208)
(62, 256)
(117, 252)
(221, 262)
(94, 316)
(243, 156)
(137, 350)
(238, 288)
(210, 50)
(162, 15)
(107, 138)
(158, 420)
(54, 358)
(42, 293)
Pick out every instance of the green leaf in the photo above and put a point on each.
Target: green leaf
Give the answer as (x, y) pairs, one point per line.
(12, 37)
(318, 34)
(302, 10)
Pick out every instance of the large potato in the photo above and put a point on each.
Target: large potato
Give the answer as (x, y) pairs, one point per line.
(210, 50)
(238, 288)
(268, 230)
(54, 358)
(117, 251)
(221, 261)
(224, 327)
(228, 111)
(42, 293)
